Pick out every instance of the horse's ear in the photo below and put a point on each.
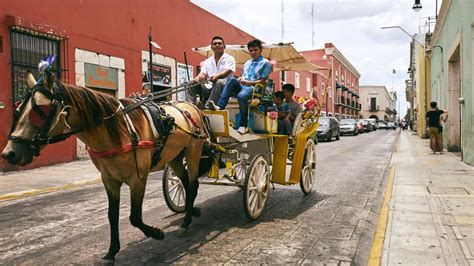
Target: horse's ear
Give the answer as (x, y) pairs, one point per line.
(30, 80)
(48, 79)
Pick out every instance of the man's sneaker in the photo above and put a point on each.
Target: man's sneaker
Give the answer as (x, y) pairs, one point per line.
(212, 106)
(242, 130)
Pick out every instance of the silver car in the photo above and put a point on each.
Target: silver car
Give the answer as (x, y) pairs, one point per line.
(348, 126)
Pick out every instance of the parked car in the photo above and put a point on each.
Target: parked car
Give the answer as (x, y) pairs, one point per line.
(360, 126)
(328, 128)
(348, 126)
(381, 125)
(391, 125)
(367, 126)
(373, 123)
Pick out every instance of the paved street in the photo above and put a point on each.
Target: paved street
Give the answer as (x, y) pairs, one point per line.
(331, 226)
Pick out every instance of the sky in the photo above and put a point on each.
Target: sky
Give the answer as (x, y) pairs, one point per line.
(353, 26)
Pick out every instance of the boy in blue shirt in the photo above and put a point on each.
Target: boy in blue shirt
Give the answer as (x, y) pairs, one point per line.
(284, 114)
(256, 70)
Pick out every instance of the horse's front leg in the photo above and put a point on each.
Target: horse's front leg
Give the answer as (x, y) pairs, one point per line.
(113, 193)
(137, 192)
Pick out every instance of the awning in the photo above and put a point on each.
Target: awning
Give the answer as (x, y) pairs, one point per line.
(283, 54)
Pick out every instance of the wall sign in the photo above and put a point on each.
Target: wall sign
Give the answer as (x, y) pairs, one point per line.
(183, 78)
(100, 77)
(161, 75)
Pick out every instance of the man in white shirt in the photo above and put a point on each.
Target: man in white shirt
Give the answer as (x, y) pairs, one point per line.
(218, 69)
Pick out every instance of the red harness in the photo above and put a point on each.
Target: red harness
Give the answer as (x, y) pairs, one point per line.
(143, 144)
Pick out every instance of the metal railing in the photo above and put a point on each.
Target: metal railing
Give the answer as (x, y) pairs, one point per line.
(26, 51)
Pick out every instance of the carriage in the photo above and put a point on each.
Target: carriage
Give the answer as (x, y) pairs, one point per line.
(255, 161)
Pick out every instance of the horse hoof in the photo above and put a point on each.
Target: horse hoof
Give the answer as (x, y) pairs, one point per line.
(197, 212)
(182, 232)
(161, 235)
(106, 261)
(156, 234)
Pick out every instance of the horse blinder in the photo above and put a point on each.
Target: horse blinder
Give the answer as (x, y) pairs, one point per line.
(38, 119)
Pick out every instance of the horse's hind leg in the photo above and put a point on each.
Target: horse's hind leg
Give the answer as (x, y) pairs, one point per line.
(113, 193)
(191, 185)
(137, 192)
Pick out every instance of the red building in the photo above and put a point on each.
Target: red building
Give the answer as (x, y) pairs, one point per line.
(343, 96)
(107, 37)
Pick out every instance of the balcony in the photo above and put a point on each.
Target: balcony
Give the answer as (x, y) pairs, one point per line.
(374, 108)
(341, 101)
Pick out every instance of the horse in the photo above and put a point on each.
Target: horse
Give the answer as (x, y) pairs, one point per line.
(53, 111)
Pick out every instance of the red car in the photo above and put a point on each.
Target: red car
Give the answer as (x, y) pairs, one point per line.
(360, 126)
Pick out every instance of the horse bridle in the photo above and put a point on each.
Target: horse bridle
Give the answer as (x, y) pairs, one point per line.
(41, 116)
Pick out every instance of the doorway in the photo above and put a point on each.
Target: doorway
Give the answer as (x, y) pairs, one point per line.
(454, 108)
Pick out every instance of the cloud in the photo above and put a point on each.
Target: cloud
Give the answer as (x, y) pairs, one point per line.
(328, 11)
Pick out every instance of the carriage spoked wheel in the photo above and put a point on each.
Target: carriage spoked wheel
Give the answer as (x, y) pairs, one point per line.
(173, 190)
(256, 187)
(308, 173)
(239, 173)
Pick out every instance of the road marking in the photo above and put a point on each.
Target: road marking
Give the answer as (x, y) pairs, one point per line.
(35, 192)
(379, 237)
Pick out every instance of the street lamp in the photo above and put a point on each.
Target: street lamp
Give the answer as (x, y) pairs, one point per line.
(417, 6)
(406, 32)
(428, 50)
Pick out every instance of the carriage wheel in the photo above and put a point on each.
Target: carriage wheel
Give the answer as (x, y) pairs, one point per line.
(308, 173)
(256, 187)
(240, 171)
(173, 190)
(298, 125)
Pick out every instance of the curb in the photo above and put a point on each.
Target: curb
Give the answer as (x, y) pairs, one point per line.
(379, 237)
(367, 237)
(35, 192)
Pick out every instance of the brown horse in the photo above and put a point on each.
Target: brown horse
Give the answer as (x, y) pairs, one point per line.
(51, 109)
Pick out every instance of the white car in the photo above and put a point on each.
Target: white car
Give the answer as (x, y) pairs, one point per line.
(391, 125)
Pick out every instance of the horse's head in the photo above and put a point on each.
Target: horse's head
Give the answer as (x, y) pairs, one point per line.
(36, 118)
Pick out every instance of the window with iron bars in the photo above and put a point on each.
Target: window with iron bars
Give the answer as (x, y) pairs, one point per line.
(27, 51)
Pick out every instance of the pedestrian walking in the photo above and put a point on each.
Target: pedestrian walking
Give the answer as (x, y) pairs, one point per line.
(435, 128)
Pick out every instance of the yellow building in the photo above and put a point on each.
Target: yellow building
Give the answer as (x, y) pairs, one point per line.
(422, 89)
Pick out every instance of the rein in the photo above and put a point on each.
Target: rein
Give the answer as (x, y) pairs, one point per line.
(160, 94)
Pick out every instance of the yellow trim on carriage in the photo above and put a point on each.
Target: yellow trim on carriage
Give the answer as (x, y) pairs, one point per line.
(280, 155)
(298, 153)
(219, 121)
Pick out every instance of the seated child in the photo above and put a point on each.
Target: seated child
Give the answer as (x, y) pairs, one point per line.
(284, 123)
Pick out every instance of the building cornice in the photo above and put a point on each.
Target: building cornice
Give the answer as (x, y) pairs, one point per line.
(338, 55)
(440, 21)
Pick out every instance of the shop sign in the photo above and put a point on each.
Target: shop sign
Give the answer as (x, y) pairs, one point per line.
(101, 77)
(161, 75)
(183, 78)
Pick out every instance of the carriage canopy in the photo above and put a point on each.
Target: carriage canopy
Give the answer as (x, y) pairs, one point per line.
(284, 55)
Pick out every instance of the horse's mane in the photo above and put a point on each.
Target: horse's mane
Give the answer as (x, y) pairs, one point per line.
(94, 106)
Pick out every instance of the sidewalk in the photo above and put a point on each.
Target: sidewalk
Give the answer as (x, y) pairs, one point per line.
(17, 184)
(431, 210)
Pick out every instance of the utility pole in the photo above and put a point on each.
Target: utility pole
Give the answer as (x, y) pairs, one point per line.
(282, 25)
(312, 23)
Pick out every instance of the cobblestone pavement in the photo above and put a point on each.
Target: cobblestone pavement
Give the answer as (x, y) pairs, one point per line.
(332, 226)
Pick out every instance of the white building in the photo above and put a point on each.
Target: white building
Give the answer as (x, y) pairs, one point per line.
(377, 102)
